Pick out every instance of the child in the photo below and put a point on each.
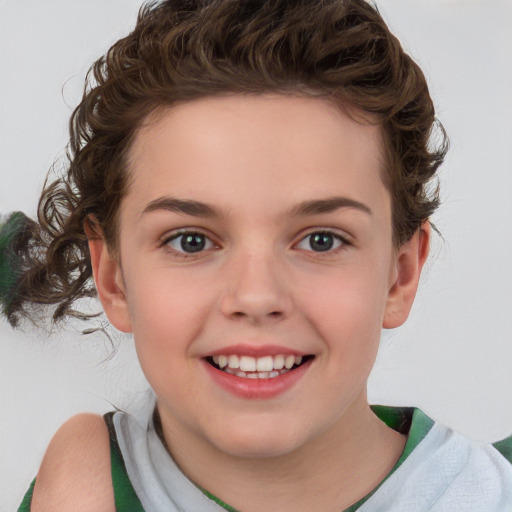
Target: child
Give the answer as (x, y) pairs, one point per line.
(256, 313)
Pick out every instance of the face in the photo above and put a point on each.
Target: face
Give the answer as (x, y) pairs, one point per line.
(256, 268)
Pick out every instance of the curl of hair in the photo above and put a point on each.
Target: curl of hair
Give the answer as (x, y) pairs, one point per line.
(180, 50)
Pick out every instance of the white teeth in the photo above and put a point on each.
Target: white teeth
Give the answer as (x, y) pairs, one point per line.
(278, 362)
(233, 362)
(266, 367)
(247, 364)
(265, 364)
(289, 362)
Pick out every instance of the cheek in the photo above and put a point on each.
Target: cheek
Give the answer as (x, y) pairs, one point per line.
(162, 297)
(166, 320)
(346, 309)
(345, 298)
(168, 310)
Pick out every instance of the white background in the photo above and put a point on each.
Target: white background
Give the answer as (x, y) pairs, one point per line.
(453, 358)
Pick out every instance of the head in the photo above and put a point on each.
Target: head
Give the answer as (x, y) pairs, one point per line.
(248, 72)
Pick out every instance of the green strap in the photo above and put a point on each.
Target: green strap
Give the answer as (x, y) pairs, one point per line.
(27, 500)
(124, 494)
(406, 420)
(225, 506)
(505, 448)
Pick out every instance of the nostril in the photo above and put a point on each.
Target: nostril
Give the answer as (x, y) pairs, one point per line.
(241, 314)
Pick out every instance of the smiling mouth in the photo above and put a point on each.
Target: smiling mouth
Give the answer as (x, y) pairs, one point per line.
(267, 367)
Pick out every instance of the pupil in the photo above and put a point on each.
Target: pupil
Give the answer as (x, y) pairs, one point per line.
(321, 242)
(192, 243)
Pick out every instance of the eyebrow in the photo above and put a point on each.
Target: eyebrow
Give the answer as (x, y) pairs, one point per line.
(200, 209)
(319, 206)
(186, 206)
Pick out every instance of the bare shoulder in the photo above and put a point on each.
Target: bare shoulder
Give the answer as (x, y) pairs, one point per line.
(75, 472)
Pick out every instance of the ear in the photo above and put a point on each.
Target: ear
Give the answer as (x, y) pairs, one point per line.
(410, 260)
(108, 278)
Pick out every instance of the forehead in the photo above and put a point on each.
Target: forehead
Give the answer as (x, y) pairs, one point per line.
(252, 151)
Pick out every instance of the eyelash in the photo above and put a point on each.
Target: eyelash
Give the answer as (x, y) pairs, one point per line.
(343, 242)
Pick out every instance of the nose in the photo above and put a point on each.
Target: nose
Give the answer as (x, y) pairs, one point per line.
(256, 289)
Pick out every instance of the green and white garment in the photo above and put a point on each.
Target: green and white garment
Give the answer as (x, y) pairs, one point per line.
(439, 470)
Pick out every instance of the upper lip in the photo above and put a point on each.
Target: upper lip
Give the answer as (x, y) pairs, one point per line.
(256, 351)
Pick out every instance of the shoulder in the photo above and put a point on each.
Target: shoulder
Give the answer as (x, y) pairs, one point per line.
(458, 473)
(447, 472)
(75, 472)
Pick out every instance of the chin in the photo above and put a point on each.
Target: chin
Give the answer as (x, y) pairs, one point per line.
(259, 442)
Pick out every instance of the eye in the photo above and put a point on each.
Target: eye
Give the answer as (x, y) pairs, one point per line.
(189, 242)
(321, 241)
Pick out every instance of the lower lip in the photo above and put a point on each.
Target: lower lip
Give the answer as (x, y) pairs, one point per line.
(257, 389)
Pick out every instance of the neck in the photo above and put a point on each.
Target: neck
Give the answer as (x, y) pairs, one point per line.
(337, 468)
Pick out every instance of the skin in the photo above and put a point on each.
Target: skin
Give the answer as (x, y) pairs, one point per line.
(259, 281)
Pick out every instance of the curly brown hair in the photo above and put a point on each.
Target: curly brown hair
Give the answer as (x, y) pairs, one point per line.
(185, 49)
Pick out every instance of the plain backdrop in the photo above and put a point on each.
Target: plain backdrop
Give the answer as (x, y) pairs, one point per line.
(453, 358)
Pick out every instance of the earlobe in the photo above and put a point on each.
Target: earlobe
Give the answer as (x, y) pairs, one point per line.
(410, 260)
(108, 280)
